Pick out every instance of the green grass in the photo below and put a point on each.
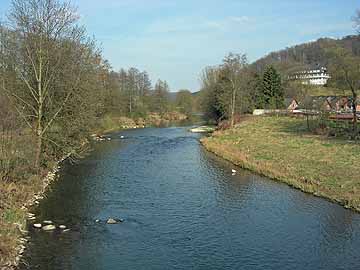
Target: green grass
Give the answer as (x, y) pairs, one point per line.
(281, 148)
(327, 91)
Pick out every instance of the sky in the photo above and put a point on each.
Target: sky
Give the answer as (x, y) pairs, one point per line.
(176, 39)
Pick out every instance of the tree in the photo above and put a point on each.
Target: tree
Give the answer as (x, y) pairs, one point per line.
(231, 71)
(255, 86)
(46, 51)
(209, 94)
(272, 88)
(184, 102)
(345, 74)
(160, 97)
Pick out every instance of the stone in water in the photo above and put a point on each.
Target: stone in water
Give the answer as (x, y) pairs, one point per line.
(49, 227)
(111, 221)
(37, 225)
(48, 222)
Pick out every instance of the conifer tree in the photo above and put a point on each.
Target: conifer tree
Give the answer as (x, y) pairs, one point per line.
(272, 89)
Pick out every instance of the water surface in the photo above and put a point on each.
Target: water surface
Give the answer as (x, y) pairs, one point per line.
(183, 209)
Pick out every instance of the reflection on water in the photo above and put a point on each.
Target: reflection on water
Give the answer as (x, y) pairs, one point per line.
(184, 210)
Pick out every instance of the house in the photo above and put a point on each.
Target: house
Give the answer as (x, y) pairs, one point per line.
(343, 104)
(291, 104)
(316, 76)
(327, 103)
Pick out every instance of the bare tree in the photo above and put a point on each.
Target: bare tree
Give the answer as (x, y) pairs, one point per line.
(344, 67)
(233, 68)
(45, 52)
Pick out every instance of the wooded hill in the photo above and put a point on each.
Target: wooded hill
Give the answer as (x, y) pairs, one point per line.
(306, 55)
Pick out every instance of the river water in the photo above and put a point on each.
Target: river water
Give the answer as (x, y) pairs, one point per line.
(183, 209)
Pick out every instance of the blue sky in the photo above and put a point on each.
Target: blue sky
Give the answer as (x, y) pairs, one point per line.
(175, 39)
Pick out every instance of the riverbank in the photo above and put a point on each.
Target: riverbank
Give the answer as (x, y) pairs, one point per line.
(18, 195)
(282, 149)
(111, 123)
(19, 198)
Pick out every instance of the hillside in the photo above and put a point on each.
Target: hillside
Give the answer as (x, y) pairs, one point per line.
(306, 55)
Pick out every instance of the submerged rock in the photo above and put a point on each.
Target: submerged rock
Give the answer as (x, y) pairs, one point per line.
(49, 227)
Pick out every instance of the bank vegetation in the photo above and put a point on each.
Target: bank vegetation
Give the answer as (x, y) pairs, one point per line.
(56, 89)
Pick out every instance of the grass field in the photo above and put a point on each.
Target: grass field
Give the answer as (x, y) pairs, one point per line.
(281, 148)
(327, 91)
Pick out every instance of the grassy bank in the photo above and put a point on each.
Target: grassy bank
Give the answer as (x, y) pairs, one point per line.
(281, 148)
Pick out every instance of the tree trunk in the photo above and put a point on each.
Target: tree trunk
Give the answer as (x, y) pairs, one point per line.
(233, 100)
(38, 153)
(39, 130)
(39, 135)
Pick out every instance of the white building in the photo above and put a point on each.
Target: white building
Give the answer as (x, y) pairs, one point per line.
(312, 77)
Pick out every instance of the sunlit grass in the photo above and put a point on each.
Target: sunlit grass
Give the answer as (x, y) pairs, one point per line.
(280, 147)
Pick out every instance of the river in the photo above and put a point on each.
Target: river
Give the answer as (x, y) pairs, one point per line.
(183, 209)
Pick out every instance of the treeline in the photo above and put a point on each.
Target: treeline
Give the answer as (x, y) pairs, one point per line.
(234, 88)
(130, 93)
(56, 87)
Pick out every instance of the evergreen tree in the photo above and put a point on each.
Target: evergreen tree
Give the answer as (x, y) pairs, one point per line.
(273, 93)
(258, 98)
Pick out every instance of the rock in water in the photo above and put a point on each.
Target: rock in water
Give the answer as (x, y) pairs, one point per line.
(37, 225)
(233, 171)
(111, 221)
(63, 227)
(49, 227)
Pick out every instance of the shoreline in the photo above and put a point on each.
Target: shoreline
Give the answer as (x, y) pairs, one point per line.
(44, 182)
(284, 174)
